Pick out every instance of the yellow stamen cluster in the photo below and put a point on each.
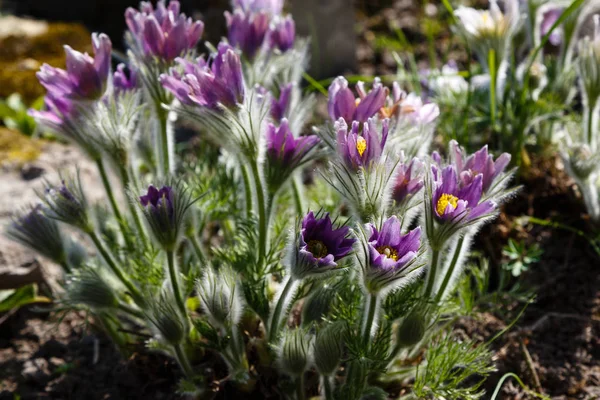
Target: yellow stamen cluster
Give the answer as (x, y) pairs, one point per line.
(317, 248)
(443, 202)
(388, 252)
(361, 145)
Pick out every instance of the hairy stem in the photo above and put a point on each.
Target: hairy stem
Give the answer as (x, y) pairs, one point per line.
(162, 152)
(130, 310)
(113, 202)
(133, 290)
(247, 190)
(298, 196)
(200, 254)
(300, 387)
(327, 387)
(451, 268)
(125, 179)
(174, 279)
(183, 361)
(282, 303)
(263, 222)
(435, 255)
(369, 318)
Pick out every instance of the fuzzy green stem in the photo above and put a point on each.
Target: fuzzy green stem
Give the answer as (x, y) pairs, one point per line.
(116, 337)
(262, 215)
(125, 179)
(369, 318)
(300, 387)
(298, 197)
(130, 310)
(183, 361)
(590, 123)
(200, 255)
(435, 255)
(247, 190)
(162, 151)
(327, 387)
(174, 279)
(287, 292)
(113, 202)
(133, 291)
(450, 271)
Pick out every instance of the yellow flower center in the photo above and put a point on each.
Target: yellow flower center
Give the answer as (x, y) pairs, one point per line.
(317, 248)
(388, 252)
(361, 145)
(443, 202)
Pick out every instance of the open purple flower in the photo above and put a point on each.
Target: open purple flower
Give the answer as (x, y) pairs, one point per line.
(479, 163)
(319, 246)
(247, 30)
(360, 150)
(208, 84)
(272, 6)
(389, 250)
(283, 149)
(124, 82)
(343, 104)
(163, 32)
(56, 111)
(85, 77)
(159, 201)
(455, 202)
(409, 180)
(280, 106)
(282, 34)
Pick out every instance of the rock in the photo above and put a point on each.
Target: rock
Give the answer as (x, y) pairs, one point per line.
(36, 371)
(14, 277)
(30, 172)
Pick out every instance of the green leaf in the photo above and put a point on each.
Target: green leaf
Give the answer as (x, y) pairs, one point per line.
(15, 298)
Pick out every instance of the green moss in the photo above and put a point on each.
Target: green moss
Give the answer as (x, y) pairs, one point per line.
(16, 148)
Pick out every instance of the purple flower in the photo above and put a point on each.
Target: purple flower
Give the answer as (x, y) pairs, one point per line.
(413, 109)
(408, 181)
(479, 163)
(208, 84)
(391, 251)
(283, 149)
(452, 201)
(272, 6)
(163, 32)
(57, 110)
(548, 19)
(159, 201)
(280, 106)
(67, 204)
(247, 30)
(343, 104)
(320, 246)
(360, 150)
(122, 82)
(85, 77)
(282, 34)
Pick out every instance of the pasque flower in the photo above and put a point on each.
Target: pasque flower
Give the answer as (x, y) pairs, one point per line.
(478, 163)
(549, 17)
(272, 6)
(409, 180)
(208, 84)
(280, 106)
(162, 32)
(282, 34)
(247, 30)
(343, 104)
(85, 77)
(123, 82)
(454, 202)
(360, 149)
(319, 246)
(67, 203)
(283, 149)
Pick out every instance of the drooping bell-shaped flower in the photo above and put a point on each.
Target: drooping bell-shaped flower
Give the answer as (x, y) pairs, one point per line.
(343, 104)
(208, 84)
(85, 77)
(124, 82)
(247, 30)
(360, 149)
(390, 254)
(282, 34)
(318, 247)
(479, 163)
(454, 202)
(162, 32)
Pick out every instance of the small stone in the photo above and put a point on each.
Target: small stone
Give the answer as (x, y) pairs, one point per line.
(56, 362)
(36, 371)
(30, 172)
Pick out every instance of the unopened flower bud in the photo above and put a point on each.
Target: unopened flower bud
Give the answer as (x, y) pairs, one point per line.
(294, 352)
(66, 203)
(328, 349)
(167, 320)
(88, 287)
(412, 330)
(220, 298)
(317, 305)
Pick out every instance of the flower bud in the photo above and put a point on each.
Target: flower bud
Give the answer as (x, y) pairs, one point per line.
(317, 305)
(328, 348)
(88, 287)
(220, 297)
(67, 203)
(412, 330)
(33, 229)
(167, 320)
(294, 352)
